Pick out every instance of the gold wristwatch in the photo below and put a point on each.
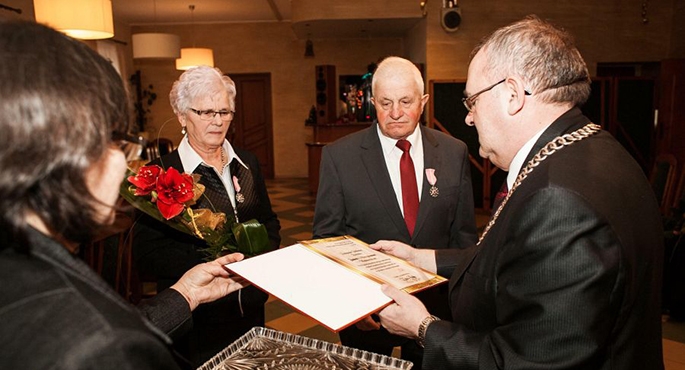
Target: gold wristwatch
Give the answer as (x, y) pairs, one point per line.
(421, 339)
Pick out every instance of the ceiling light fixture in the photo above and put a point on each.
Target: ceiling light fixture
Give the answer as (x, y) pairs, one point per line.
(193, 57)
(156, 45)
(80, 19)
(309, 49)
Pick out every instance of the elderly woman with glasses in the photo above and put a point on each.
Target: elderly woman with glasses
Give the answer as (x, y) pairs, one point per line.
(60, 171)
(203, 99)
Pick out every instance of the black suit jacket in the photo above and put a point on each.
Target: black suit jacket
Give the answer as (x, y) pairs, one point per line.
(569, 277)
(356, 197)
(57, 313)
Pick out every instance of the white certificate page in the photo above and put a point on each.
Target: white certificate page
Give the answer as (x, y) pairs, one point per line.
(317, 287)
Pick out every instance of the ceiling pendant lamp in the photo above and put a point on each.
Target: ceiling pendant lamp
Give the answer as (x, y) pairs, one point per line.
(80, 19)
(193, 57)
(156, 45)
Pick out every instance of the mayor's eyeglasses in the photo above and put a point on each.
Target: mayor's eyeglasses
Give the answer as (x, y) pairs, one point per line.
(470, 102)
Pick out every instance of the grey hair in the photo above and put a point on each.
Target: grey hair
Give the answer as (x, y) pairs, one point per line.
(543, 55)
(197, 82)
(395, 65)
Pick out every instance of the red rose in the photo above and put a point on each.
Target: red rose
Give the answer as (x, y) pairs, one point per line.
(146, 179)
(174, 189)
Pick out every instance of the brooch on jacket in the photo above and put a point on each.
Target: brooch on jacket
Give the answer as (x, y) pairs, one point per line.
(239, 197)
(430, 176)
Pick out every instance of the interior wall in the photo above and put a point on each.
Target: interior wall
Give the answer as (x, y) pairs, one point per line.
(26, 7)
(305, 10)
(270, 48)
(415, 43)
(605, 31)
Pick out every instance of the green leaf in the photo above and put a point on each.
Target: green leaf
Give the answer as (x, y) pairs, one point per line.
(251, 237)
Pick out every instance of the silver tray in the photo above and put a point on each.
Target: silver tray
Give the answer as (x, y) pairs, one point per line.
(267, 349)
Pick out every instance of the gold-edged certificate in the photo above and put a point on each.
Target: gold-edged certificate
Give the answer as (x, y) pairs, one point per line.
(380, 267)
(335, 281)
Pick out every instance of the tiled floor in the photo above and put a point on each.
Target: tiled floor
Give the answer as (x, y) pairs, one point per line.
(295, 208)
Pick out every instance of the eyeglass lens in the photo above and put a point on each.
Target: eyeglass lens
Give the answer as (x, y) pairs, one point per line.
(208, 115)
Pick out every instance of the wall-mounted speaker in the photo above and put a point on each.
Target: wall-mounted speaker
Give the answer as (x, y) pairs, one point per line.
(326, 101)
(450, 18)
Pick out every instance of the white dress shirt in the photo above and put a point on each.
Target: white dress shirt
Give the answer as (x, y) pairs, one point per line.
(517, 163)
(190, 160)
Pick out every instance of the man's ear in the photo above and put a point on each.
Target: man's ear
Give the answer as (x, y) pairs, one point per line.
(424, 100)
(517, 95)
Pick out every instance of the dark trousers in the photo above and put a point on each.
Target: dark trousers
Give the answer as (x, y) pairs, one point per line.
(214, 330)
(218, 324)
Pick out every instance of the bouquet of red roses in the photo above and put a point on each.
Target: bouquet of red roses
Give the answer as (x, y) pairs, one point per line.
(168, 196)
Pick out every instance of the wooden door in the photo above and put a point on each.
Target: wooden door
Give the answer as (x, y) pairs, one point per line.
(671, 119)
(252, 126)
(629, 109)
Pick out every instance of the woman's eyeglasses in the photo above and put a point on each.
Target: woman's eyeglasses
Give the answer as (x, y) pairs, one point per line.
(132, 146)
(208, 115)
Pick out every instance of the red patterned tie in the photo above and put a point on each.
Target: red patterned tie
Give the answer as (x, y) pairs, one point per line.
(410, 192)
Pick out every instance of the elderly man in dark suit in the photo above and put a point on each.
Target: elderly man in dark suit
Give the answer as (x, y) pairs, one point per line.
(567, 274)
(367, 190)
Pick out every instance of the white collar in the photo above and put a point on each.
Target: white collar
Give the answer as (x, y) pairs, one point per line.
(190, 159)
(517, 162)
(389, 144)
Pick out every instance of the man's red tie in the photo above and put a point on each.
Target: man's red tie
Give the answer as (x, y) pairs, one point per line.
(499, 197)
(410, 192)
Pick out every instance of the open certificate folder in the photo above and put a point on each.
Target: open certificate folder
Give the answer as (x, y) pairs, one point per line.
(336, 281)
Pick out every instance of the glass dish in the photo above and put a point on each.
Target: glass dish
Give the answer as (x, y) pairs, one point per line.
(268, 349)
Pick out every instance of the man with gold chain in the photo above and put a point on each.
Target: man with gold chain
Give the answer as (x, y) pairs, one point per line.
(567, 273)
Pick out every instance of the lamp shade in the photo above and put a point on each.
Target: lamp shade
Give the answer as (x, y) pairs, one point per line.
(193, 57)
(80, 19)
(156, 45)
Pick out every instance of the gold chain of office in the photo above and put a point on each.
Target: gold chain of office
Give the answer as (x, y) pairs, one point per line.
(552, 147)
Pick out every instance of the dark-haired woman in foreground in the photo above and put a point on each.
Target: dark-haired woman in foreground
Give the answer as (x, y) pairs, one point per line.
(60, 172)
